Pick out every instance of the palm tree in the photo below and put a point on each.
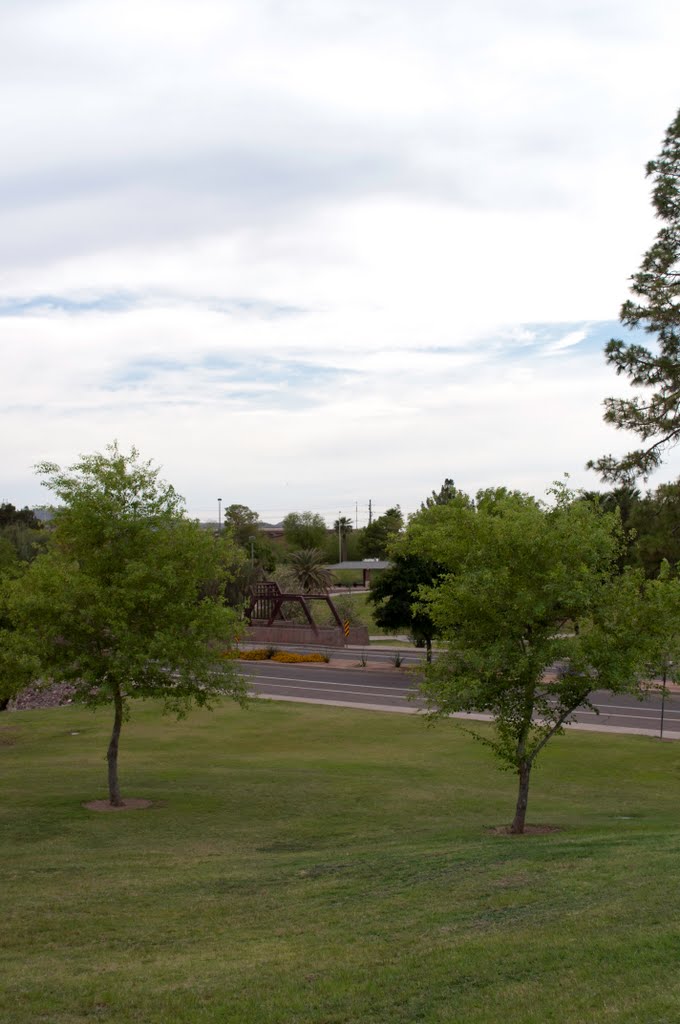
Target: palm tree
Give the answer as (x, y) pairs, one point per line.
(308, 571)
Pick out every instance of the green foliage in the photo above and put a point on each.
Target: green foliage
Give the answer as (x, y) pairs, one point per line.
(304, 530)
(650, 523)
(662, 625)
(655, 309)
(395, 596)
(21, 534)
(127, 600)
(446, 493)
(242, 522)
(239, 573)
(308, 573)
(11, 516)
(517, 575)
(25, 541)
(8, 554)
(377, 537)
(17, 667)
(654, 519)
(242, 525)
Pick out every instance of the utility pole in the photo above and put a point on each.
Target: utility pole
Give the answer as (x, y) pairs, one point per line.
(219, 515)
(356, 515)
(339, 537)
(370, 511)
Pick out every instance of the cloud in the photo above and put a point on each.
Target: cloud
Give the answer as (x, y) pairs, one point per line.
(317, 250)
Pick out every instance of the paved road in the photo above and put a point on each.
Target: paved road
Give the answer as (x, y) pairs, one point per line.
(385, 690)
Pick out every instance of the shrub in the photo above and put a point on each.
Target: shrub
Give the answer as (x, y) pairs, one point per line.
(258, 654)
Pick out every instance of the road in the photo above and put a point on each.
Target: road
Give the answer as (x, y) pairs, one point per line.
(384, 690)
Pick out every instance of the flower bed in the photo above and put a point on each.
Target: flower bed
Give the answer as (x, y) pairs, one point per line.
(289, 658)
(271, 654)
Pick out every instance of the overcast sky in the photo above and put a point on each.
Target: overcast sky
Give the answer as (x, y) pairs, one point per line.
(304, 253)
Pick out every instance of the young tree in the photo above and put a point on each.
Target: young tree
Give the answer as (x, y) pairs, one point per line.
(127, 600)
(655, 308)
(518, 577)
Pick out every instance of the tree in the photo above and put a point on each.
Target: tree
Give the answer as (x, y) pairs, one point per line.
(378, 535)
(307, 571)
(242, 521)
(446, 493)
(21, 531)
(657, 528)
(127, 600)
(651, 523)
(655, 418)
(17, 667)
(10, 516)
(662, 628)
(244, 527)
(625, 501)
(304, 529)
(519, 575)
(395, 596)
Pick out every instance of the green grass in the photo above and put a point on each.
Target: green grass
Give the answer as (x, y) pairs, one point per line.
(304, 864)
(346, 577)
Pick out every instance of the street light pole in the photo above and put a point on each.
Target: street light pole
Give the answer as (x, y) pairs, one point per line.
(339, 537)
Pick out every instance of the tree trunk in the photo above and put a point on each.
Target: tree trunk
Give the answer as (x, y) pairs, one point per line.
(524, 771)
(112, 753)
(428, 647)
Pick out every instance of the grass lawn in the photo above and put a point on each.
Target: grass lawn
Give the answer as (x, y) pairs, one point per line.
(359, 605)
(304, 864)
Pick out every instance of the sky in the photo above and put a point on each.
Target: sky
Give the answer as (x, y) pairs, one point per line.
(309, 253)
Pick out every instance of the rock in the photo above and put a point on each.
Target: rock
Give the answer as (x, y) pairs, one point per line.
(41, 696)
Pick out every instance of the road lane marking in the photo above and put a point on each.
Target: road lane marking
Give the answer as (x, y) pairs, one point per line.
(324, 682)
(365, 691)
(656, 718)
